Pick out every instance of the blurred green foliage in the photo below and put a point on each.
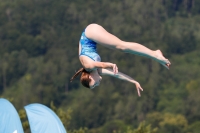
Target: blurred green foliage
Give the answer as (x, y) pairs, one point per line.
(39, 54)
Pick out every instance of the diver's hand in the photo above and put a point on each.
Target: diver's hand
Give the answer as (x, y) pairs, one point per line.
(139, 88)
(110, 65)
(115, 68)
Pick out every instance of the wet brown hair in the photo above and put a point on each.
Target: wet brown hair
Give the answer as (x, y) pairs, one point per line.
(84, 79)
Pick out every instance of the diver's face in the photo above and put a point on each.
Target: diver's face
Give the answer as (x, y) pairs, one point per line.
(95, 79)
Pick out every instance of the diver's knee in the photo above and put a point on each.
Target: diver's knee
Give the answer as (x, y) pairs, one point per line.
(121, 46)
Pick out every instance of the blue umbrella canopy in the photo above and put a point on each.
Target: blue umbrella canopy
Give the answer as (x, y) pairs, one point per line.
(9, 118)
(43, 120)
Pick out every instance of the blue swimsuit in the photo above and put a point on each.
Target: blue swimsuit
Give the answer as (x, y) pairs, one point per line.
(88, 48)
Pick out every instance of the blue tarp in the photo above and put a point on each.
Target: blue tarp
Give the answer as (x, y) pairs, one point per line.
(43, 120)
(9, 118)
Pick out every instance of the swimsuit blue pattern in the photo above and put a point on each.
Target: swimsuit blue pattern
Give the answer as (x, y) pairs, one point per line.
(88, 48)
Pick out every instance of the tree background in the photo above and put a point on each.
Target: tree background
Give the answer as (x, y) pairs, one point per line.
(39, 54)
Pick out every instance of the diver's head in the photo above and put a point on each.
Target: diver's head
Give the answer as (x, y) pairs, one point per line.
(95, 79)
(88, 79)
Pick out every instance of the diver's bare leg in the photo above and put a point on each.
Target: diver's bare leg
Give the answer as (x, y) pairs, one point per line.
(98, 34)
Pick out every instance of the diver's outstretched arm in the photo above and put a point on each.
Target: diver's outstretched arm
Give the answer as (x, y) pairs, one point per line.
(121, 76)
(98, 34)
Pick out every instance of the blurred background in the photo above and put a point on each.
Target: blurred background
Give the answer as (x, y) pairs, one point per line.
(39, 54)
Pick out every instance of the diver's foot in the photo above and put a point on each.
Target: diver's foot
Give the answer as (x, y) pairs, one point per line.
(161, 59)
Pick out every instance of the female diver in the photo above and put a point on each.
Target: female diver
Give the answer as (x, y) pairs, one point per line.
(93, 68)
